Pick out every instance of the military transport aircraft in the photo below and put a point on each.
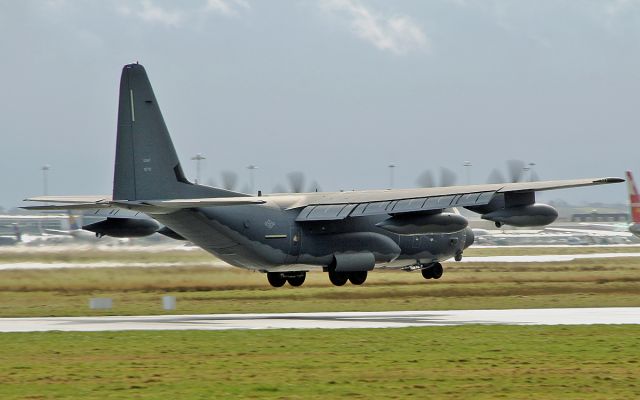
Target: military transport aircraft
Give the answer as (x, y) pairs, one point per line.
(346, 234)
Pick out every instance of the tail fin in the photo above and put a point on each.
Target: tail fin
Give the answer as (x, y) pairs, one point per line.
(147, 166)
(634, 198)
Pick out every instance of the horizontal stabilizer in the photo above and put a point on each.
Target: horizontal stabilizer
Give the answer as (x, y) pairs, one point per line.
(148, 206)
(70, 199)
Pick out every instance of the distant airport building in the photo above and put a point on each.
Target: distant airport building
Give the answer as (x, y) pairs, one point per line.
(600, 217)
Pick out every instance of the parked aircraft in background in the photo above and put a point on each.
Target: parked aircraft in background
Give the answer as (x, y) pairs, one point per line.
(634, 203)
(345, 234)
(612, 230)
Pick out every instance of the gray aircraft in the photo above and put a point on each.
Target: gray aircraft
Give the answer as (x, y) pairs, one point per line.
(346, 234)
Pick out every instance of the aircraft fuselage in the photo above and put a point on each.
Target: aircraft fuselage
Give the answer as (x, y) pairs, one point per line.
(268, 238)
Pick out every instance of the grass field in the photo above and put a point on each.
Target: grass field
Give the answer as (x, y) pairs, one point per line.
(586, 362)
(200, 288)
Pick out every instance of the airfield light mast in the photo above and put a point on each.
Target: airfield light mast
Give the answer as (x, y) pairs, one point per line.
(252, 168)
(531, 173)
(391, 180)
(197, 158)
(45, 179)
(467, 168)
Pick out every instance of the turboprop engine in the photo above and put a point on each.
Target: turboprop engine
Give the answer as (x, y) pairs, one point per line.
(123, 227)
(421, 223)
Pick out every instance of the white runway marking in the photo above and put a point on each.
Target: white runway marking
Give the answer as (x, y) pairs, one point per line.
(329, 320)
(546, 258)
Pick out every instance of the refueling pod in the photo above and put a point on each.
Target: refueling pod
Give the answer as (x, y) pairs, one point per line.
(417, 224)
(123, 227)
(516, 209)
(529, 215)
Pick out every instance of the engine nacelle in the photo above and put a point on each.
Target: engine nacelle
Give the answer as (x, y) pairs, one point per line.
(522, 216)
(418, 224)
(123, 227)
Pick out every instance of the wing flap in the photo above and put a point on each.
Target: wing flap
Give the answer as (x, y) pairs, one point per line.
(332, 212)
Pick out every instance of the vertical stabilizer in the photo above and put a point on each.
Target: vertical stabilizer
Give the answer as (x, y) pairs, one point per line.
(634, 198)
(147, 166)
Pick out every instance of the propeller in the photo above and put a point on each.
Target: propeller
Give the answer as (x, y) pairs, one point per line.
(515, 171)
(315, 187)
(297, 184)
(426, 179)
(296, 181)
(211, 182)
(447, 178)
(533, 176)
(229, 180)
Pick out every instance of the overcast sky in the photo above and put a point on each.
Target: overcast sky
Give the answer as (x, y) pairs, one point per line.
(338, 89)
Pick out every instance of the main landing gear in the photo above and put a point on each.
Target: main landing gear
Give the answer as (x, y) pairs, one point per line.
(278, 279)
(340, 278)
(432, 271)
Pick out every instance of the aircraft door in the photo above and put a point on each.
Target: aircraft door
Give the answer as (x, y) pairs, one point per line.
(295, 240)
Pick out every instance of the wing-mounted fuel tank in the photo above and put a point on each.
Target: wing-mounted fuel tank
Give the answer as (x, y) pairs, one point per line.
(517, 209)
(424, 223)
(123, 227)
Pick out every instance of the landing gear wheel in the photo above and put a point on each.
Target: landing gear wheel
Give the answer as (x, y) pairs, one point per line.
(358, 277)
(338, 278)
(297, 280)
(276, 279)
(435, 271)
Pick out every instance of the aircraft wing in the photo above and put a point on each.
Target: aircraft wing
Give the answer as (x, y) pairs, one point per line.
(332, 205)
(335, 206)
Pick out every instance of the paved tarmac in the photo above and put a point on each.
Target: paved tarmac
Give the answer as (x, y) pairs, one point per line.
(329, 320)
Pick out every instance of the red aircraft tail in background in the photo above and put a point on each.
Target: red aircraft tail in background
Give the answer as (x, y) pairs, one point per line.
(634, 198)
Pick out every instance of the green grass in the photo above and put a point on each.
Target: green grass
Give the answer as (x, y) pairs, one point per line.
(478, 362)
(200, 288)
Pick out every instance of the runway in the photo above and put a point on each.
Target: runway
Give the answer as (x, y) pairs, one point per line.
(328, 320)
(214, 263)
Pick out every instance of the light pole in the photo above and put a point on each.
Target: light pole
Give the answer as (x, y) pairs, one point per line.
(531, 173)
(467, 168)
(252, 168)
(197, 158)
(391, 168)
(45, 179)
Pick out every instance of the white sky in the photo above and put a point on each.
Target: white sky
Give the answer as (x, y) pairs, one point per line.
(337, 89)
